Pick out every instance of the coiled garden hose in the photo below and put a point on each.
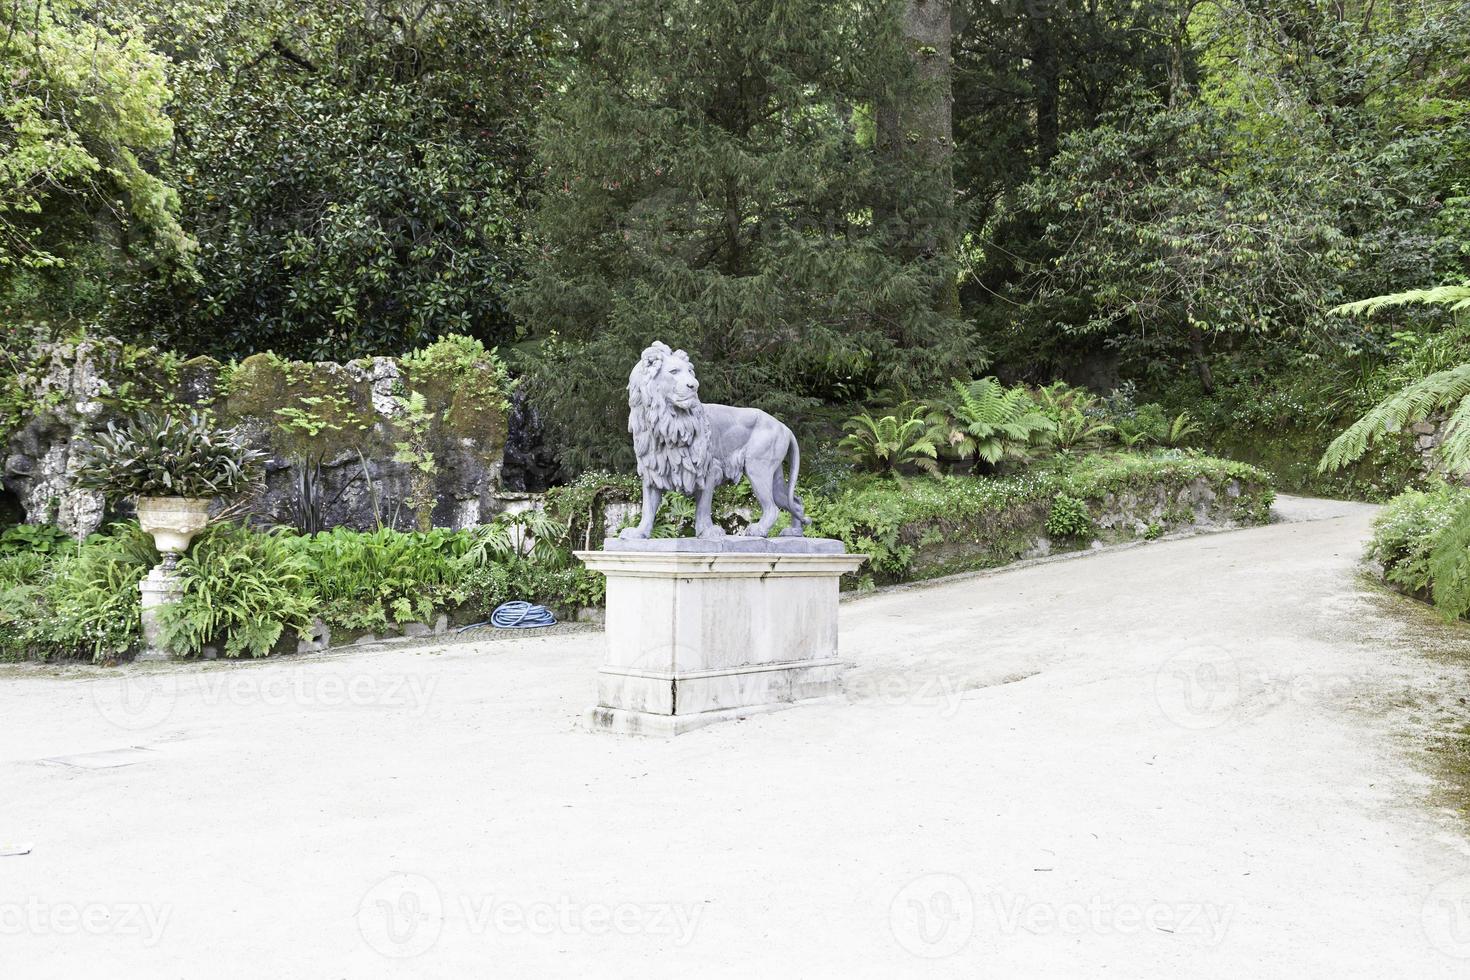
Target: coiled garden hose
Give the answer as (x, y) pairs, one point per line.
(518, 614)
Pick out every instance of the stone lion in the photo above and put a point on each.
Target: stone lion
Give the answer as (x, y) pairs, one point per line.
(687, 446)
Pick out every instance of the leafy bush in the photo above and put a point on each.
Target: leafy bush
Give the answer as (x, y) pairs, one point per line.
(367, 580)
(885, 445)
(985, 420)
(153, 455)
(933, 527)
(1422, 539)
(1069, 517)
(241, 588)
(42, 538)
(91, 605)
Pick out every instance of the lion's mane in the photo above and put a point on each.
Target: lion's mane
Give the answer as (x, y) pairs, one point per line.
(672, 443)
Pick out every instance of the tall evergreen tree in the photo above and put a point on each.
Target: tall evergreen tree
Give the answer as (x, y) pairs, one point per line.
(711, 180)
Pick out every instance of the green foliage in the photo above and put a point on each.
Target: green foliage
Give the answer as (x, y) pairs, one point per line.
(91, 605)
(368, 580)
(1454, 298)
(356, 174)
(933, 527)
(1446, 391)
(885, 445)
(1422, 539)
(709, 182)
(84, 108)
(415, 418)
(153, 455)
(1069, 517)
(240, 588)
(42, 539)
(985, 420)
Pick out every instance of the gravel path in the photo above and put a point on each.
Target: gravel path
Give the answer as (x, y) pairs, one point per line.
(1225, 756)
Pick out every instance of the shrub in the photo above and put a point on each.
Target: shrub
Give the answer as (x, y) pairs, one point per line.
(885, 445)
(1422, 539)
(366, 580)
(92, 606)
(33, 538)
(241, 588)
(1069, 517)
(985, 420)
(154, 455)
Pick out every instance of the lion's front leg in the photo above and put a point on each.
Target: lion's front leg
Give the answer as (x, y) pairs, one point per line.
(652, 497)
(704, 522)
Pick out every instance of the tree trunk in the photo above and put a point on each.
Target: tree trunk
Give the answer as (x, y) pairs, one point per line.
(1201, 361)
(1045, 80)
(925, 119)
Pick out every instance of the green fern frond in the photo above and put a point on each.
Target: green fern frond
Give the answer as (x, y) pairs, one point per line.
(1457, 298)
(1414, 403)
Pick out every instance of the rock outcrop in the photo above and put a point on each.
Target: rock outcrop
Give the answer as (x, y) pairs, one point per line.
(348, 443)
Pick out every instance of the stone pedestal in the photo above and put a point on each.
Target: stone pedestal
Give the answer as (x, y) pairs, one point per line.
(159, 588)
(700, 631)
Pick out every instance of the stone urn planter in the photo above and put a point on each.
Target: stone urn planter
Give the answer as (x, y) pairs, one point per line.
(173, 521)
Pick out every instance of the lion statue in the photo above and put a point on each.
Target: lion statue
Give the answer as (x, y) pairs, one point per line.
(687, 446)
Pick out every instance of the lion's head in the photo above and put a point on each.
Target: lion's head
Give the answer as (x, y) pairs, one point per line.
(669, 426)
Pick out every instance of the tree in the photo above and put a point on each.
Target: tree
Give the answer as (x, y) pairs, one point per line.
(83, 114)
(356, 174)
(711, 181)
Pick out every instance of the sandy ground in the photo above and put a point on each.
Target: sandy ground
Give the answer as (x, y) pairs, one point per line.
(1195, 758)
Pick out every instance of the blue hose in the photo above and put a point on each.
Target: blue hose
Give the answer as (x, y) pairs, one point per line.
(521, 615)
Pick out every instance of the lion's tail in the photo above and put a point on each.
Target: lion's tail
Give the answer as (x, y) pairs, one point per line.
(793, 462)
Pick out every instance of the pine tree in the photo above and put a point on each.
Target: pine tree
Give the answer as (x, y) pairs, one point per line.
(711, 181)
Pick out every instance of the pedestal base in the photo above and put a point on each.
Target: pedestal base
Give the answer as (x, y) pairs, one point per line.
(158, 589)
(700, 637)
(622, 722)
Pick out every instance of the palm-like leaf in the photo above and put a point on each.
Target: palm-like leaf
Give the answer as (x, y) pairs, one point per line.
(1440, 391)
(1447, 390)
(988, 421)
(1457, 298)
(883, 445)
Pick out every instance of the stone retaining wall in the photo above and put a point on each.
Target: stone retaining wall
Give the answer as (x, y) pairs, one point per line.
(347, 420)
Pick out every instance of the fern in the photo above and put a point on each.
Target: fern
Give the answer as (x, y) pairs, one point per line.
(1180, 429)
(885, 444)
(1447, 390)
(1443, 390)
(1449, 565)
(1457, 298)
(985, 420)
(1074, 430)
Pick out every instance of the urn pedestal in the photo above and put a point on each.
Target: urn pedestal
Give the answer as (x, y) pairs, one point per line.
(159, 588)
(173, 522)
(700, 631)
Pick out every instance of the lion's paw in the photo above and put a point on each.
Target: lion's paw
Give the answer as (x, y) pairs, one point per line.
(631, 534)
(713, 531)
